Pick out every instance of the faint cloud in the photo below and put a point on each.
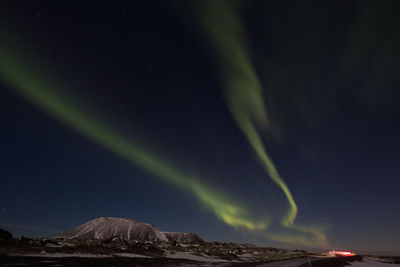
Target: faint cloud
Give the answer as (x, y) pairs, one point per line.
(30, 228)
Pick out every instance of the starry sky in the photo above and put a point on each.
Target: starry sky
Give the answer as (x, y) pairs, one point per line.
(266, 122)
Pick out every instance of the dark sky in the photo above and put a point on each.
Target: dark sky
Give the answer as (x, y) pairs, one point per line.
(151, 74)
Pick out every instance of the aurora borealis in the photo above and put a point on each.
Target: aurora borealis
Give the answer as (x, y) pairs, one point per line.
(273, 123)
(245, 98)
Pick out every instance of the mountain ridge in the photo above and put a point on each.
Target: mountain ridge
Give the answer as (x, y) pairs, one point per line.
(104, 228)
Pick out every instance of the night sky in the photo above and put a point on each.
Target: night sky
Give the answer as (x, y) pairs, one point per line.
(267, 122)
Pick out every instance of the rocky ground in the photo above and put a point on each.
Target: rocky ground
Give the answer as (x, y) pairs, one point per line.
(117, 252)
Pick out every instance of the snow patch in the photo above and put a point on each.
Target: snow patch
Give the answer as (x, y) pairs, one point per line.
(189, 256)
(131, 255)
(373, 262)
(63, 255)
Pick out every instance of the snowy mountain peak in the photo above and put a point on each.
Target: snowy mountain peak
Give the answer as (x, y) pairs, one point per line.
(105, 228)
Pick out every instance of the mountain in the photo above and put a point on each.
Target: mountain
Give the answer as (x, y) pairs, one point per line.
(105, 228)
(5, 235)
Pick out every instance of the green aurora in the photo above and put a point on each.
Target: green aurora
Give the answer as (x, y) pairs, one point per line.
(245, 99)
(37, 88)
(247, 108)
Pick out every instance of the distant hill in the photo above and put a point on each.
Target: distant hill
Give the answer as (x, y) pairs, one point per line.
(5, 235)
(105, 228)
(183, 237)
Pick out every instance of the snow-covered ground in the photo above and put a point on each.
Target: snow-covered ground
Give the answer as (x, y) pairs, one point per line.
(373, 262)
(177, 255)
(80, 255)
(285, 263)
(63, 255)
(131, 255)
(189, 256)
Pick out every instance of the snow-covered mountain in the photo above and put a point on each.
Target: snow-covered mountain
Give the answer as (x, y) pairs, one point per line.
(104, 228)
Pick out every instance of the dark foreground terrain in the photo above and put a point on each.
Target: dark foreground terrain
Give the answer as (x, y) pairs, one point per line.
(124, 261)
(79, 261)
(119, 252)
(333, 262)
